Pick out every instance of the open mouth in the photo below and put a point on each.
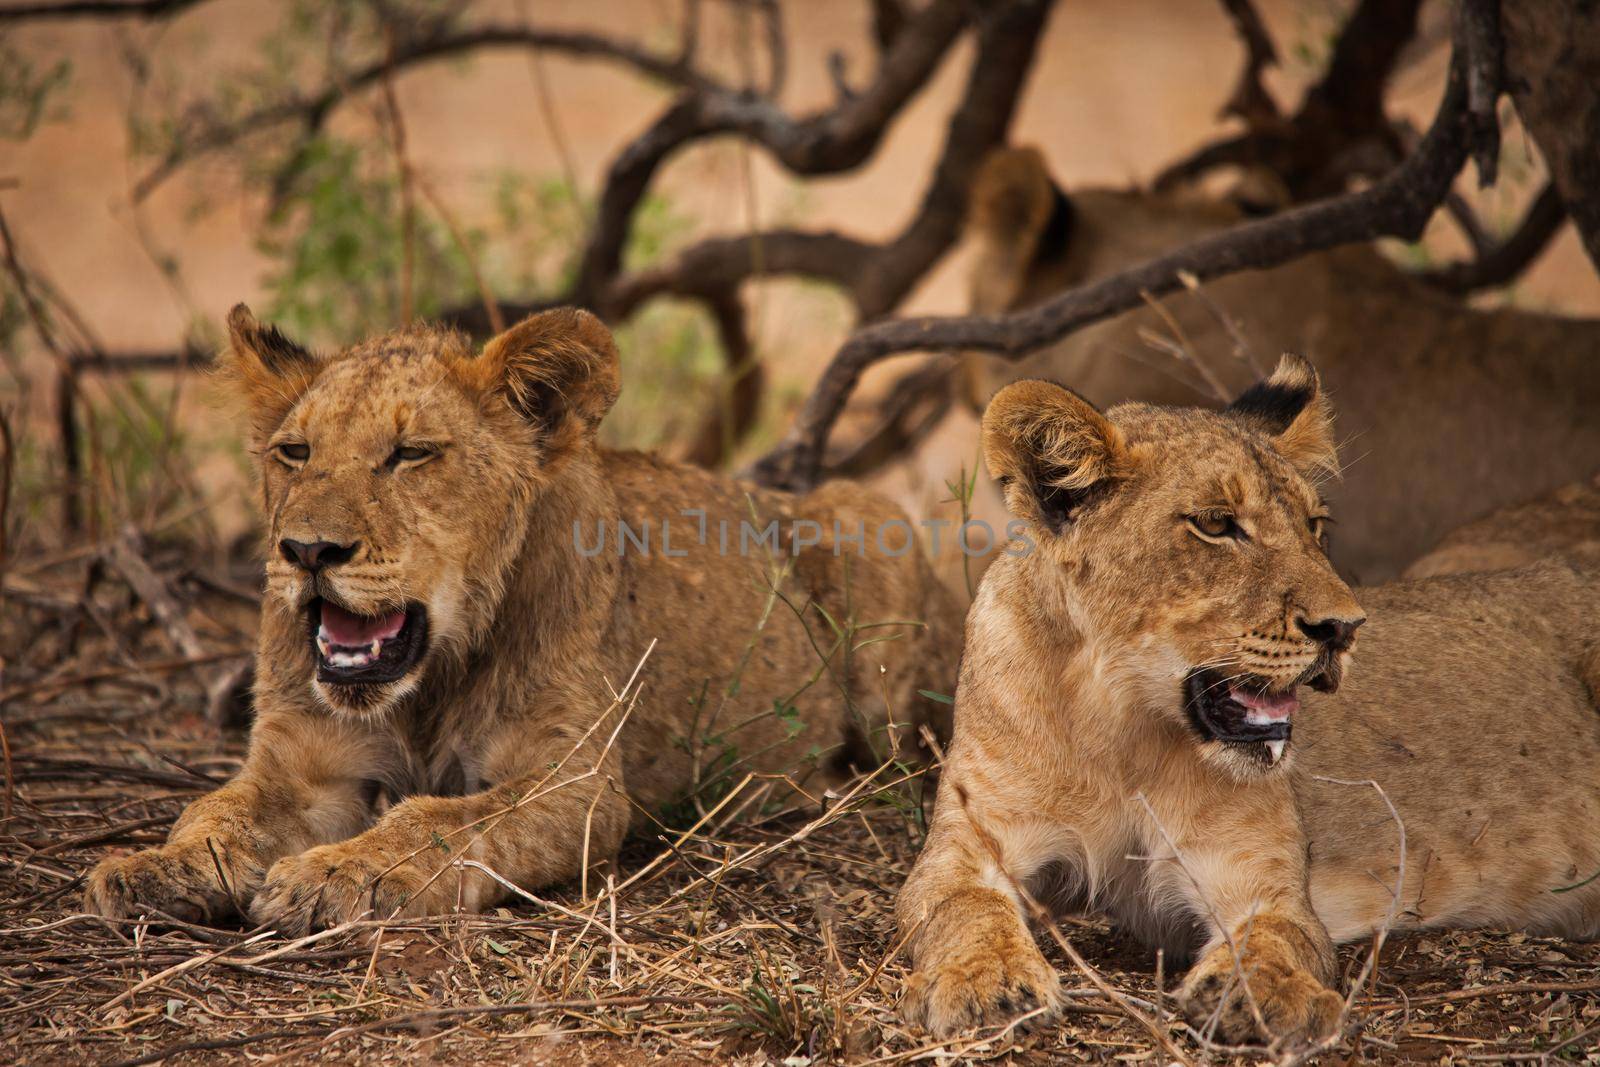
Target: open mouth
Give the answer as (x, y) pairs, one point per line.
(353, 649)
(1241, 710)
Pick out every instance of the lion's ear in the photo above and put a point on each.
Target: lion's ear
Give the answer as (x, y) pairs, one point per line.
(1051, 449)
(1291, 407)
(1016, 216)
(270, 370)
(557, 369)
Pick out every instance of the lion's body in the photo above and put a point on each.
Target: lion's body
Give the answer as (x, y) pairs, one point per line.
(507, 743)
(1566, 521)
(708, 605)
(1464, 394)
(1085, 769)
(1470, 703)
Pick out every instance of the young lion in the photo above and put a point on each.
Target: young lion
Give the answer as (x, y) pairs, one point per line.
(452, 606)
(1128, 695)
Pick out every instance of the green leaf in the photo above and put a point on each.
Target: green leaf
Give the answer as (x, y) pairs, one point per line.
(940, 697)
(496, 947)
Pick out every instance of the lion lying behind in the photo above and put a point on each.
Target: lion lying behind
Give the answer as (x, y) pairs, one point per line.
(460, 582)
(1447, 410)
(1566, 521)
(1130, 690)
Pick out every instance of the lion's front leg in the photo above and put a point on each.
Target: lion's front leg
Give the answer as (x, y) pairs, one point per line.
(301, 785)
(206, 872)
(1268, 984)
(974, 961)
(1263, 974)
(532, 831)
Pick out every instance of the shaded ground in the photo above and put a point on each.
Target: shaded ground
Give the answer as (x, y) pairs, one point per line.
(739, 943)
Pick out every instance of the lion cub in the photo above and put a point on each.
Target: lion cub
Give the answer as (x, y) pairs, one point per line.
(460, 582)
(1132, 730)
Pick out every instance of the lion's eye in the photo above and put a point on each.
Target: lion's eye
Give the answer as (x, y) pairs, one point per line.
(293, 453)
(1216, 525)
(411, 454)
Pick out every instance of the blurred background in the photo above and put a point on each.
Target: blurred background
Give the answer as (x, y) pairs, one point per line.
(342, 166)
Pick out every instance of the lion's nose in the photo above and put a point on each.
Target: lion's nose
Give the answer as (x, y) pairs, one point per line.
(315, 555)
(1336, 634)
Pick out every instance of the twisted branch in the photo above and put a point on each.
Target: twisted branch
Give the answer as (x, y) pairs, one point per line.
(1399, 205)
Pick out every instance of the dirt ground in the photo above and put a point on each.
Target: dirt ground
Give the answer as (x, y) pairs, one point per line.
(741, 942)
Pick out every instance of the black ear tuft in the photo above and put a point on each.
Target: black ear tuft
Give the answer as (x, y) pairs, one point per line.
(1292, 409)
(1275, 403)
(267, 343)
(1058, 230)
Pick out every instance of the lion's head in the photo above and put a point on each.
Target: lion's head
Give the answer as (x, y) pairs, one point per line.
(397, 478)
(1189, 548)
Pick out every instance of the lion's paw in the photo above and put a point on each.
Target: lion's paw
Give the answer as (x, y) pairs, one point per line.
(179, 880)
(982, 987)
(1293, 1005)
(333, 884)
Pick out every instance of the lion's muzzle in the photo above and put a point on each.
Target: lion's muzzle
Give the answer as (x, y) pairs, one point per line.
(354, 649)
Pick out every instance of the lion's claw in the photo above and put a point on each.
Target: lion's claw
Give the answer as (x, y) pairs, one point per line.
(333, 884)
(177, 880)
(1292, 1003)
(982, 988)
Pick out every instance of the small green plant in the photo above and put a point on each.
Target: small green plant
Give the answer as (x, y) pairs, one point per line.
(29, 94)
(339, 248)
(961, 491)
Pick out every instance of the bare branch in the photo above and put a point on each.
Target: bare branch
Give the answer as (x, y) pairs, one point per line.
(312, 109)
(825, 143)
(889, 17)
(1498, 264)
(97, 9)
(1552, 49)
(876, 277)
(735, 414)
(720, 262)
(102, 362)
(1399, 205)
(1340, 120)
(1250, 100)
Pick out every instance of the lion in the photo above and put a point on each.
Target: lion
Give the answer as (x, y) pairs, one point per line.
(1452, 399)
(1566, 521)
(461, 583)
(1158, 716)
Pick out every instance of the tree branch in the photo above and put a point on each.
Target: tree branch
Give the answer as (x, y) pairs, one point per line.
(1339, 115)
(1551, 55)
(1399, 205)
(1507, 260)
(876, 277)
(1250, 100)
(89, 9)
(312, 109)
(825, 143)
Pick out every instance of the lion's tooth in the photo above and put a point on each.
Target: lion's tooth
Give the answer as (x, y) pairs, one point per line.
(377, 647)
(322, 646)
(1276, 748)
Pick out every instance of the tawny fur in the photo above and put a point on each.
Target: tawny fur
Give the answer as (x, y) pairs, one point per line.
(1469, 700)
(1566, 521)
(354, 801)
(1441, 404)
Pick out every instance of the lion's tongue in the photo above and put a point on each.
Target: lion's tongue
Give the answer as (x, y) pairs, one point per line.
(1261, 708)
(340, 627)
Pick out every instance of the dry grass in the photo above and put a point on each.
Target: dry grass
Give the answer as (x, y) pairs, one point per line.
(752, 942)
